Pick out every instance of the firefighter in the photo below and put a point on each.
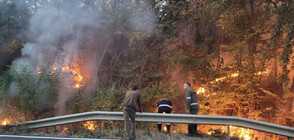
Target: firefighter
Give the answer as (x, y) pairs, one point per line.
(192, 106)
(164, 106)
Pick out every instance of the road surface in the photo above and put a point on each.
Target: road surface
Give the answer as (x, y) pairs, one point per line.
(18, 137)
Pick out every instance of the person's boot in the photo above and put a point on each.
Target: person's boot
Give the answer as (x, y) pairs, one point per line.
(168, 128)
(159, 127)
(195, 132)
(190, 130)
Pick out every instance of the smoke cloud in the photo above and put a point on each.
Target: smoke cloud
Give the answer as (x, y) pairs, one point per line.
(74, 34)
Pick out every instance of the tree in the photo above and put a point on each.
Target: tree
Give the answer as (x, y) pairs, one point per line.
(13, 20)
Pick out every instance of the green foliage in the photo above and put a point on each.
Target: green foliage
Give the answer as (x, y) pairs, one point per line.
(109, 99)
(200, 21)
(29, 88)
(282, 36)
(78, 102)
(200, 64)
(4, 86)
(242, 25)
(153, 93)
(171, 13)
(26, 86)
(4, 80)
(232, 99)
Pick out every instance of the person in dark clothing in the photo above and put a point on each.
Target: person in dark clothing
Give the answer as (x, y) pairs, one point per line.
(192, 105)
(130, 104)
(164, 106)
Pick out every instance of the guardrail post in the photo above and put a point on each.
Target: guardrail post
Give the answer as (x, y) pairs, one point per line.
(228, 137)
(102, 125)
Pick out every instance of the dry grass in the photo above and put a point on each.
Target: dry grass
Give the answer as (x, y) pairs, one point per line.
(145, 135)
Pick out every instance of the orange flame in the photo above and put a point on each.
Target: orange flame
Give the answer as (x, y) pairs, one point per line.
(65, 69)
(234, 74)
(241, 133)
(5, 122)
(77, 77)
(164, 128)
(263, 72)
(64, 129)
(90, 125)
(71, 67)
(200, 90)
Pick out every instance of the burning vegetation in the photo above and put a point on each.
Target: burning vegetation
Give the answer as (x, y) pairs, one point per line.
(75, 79)
(5, 122)
(201, 90)
(91, 125)
(82, 56)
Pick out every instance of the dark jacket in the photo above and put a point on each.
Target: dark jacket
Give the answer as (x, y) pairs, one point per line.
(132, 100)
(191, 99)
(164, 105)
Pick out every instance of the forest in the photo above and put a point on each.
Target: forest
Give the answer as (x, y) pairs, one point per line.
(60, 57)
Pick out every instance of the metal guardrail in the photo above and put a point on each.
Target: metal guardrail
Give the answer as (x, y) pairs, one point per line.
(158, 117)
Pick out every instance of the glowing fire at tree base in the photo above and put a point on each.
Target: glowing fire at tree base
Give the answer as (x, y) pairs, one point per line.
(90, 125)
(5, 122)
(242, 133)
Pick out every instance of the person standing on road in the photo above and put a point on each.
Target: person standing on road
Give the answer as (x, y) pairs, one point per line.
(164, 106)
(130, 104)
(192, 106)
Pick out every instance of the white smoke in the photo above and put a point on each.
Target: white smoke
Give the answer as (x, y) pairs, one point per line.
(60, 30)
(143, 18)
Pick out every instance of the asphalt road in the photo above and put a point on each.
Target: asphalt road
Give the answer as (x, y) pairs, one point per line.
(18, 137)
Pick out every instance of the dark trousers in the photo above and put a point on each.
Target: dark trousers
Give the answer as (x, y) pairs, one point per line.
(192, 128)
(129, 113)
(167, 124)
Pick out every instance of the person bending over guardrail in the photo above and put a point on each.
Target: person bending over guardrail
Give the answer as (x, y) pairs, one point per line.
(164, 106)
